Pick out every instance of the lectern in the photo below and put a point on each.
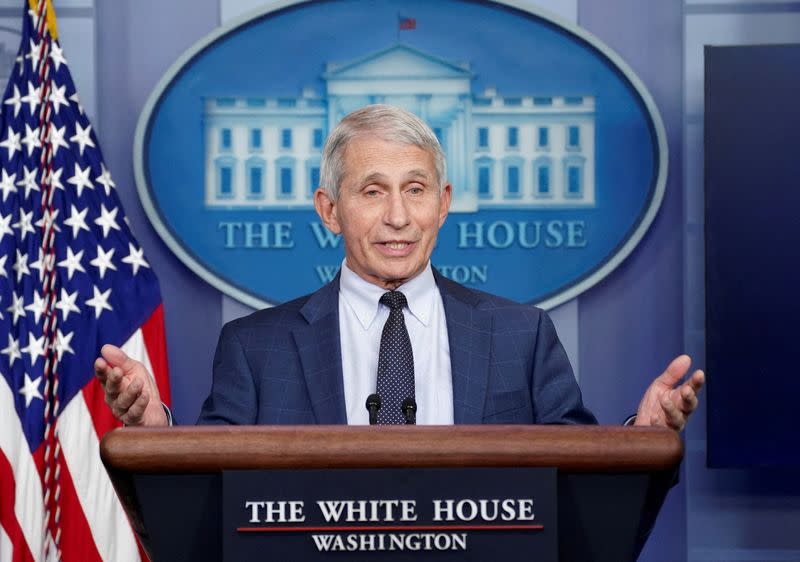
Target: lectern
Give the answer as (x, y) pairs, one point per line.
(609, 482)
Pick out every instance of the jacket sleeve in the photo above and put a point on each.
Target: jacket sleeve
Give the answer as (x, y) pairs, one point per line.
(233, 395)
(556, 396)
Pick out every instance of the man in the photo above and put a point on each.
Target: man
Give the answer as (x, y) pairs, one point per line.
(389, 324)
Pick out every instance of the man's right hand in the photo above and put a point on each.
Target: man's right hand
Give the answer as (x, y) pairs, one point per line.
(130, 391)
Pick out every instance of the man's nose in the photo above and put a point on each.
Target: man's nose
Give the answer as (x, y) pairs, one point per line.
(397, 214)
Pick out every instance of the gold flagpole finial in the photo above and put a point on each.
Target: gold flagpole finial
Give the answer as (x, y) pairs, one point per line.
(51, 16)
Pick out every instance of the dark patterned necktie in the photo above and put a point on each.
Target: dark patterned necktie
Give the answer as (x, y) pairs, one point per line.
(395, 362)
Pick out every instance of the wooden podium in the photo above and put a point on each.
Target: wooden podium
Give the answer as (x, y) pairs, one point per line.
(611, 480)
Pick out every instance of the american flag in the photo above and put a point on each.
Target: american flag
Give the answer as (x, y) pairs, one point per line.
(406, 23)
(72, 277)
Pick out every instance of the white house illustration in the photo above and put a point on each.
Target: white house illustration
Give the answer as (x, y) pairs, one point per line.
(515, 152)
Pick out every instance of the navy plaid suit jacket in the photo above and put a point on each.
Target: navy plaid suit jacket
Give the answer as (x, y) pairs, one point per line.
(283, 365)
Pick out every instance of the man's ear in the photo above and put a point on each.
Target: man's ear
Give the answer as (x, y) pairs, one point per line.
(445, 198)
(326, 209)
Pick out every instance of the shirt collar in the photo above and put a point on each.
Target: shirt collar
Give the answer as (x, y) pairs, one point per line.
(364, 297)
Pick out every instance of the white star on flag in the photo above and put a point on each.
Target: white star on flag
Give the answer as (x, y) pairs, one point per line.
(15, 100)
(5, 227)
(103, 260)
(107, 219)
(62, 343)
(17, 307)
(35, 347)
(33, 53)
(11, 143)
(29, 181)
(66, 303)
(135, 258)
(58, 97)
(30, 389)
(37, 306)
(25, 224)
(7, 185)
(57, 139)
(72, 262)
(33, 97)
(81, 137)
(57, 55)
(105, 179)
(99, 301)
(77, 220)
(81, 178)
(12, 350)
(3, 259)
(21, 265)
(55, 179)
(31, 139)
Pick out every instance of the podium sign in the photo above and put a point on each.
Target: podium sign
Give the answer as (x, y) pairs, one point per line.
(395, 514)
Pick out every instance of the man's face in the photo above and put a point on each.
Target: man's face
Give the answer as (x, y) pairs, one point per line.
(389, 209)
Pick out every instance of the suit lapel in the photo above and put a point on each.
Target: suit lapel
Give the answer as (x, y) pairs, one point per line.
(469, 331)
(320, 354)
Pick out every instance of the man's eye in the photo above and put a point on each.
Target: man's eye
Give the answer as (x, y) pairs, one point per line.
(416, 190)
(372, 193)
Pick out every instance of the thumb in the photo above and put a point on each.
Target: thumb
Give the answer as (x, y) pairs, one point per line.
(117, 358)
(675, 371)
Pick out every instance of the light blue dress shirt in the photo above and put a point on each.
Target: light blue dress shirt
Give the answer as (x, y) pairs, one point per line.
(361, 320)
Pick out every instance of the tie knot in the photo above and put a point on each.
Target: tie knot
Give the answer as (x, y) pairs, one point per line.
(395, 300)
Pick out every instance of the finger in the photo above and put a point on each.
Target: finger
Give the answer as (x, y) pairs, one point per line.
(101, 369)
(673, 416)
(697, 380)
(687, 401)
(114, 384)
(135, 413)
(118, 358)
(119, 406)
(128, 396)
(675, 370)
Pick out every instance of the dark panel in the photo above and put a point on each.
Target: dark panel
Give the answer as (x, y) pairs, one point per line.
(752, 135)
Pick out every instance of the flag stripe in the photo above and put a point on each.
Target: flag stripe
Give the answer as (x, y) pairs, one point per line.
(6, 548)
(77, 542)
(156, 344)
(13, 547)
(28, 507)
(81, 450)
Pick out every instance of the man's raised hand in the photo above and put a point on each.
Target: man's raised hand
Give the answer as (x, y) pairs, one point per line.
(666, 405)
(130, 390)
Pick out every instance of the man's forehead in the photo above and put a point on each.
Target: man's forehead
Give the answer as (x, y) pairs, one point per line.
(375, 156)
(420, 173)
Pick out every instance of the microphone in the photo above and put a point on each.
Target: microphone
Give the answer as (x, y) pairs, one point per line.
(373, 405)
(409, 408)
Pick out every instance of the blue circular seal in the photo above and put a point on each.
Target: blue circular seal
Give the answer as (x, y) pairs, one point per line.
(555, 150)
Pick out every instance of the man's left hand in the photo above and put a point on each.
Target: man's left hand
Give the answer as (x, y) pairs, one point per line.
(664, 404)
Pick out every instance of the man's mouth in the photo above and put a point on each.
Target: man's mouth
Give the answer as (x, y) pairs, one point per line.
(397, 248)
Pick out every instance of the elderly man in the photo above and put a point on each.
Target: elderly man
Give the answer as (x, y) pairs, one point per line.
(389, 330)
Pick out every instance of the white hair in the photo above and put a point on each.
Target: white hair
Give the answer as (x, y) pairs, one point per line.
(387, 122)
